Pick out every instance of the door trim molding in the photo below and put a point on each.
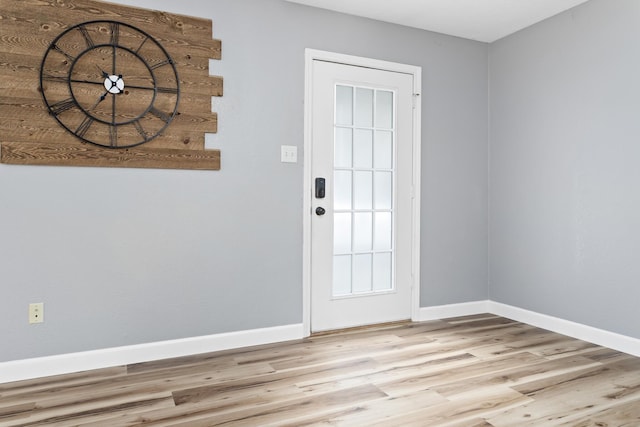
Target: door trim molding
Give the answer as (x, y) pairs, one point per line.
(416, 71)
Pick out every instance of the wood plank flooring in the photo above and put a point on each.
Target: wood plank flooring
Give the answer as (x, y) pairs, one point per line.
(474, 371)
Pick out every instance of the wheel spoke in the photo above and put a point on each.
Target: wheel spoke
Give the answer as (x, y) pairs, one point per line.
(87, 81)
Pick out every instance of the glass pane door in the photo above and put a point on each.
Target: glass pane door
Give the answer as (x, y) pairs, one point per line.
(364, 175)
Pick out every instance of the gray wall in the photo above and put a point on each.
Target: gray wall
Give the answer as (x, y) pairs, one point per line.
(123, 256)
(564, 167)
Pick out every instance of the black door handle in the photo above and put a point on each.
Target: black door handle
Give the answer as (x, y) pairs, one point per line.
(320, 211)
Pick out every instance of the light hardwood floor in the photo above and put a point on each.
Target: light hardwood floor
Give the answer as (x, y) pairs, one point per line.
(475, 371)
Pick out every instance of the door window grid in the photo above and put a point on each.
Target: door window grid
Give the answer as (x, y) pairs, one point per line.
(363, 191)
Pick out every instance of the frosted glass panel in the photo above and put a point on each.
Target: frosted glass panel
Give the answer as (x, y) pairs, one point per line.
(362, 232)
(363, 148)
(364, 107)
(363, 182)
(363, 191)
(362, 273)
(383, 190)
(382, 231)
(382, 272)
(383, 153)
(343, 148)
(341, 275)
(384, 109)
(341, 190)
(341, 233)
(344, 105)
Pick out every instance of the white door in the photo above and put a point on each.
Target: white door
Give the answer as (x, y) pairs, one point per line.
(361, 227)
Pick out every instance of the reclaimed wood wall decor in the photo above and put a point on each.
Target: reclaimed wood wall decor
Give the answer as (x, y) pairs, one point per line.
(61, 133)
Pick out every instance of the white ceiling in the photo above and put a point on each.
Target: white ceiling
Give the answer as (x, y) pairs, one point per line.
(482, 20)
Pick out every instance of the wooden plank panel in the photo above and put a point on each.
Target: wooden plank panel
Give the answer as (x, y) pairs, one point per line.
(50, 17)
(31, 123)
(29, 26)
(29, 51)
(193, 86)
(31, 134)
(87, 155)
(34, 111)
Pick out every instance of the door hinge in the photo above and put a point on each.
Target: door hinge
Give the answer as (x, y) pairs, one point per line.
(416, 96)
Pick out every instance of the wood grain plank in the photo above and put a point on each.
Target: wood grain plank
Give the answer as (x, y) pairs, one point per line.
(626, 414)
(66, 416)
(275, 414)
(430, 376)
(520, 373)
(275, 380)
(28, 387)
(472, 407)
(193, 31)
(378, 410)
(560, 398)
(476, 422)
(86, 155)
(16, 413)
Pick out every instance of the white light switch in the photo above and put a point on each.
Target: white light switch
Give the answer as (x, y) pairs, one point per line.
(288, 154)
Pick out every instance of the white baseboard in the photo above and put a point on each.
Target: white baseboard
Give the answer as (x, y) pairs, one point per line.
(452, 310)
(590, 334)
(117, 356)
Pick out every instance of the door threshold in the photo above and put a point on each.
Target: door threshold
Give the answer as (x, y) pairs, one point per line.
(353, 329)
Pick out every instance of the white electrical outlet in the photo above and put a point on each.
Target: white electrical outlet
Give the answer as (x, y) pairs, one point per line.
(36, 312)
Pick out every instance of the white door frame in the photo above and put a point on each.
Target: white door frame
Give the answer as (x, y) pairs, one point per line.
(310, 56)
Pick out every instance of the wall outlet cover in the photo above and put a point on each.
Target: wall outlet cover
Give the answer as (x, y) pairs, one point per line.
(36, 312)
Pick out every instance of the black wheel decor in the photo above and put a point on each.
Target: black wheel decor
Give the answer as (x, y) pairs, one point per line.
(109, 84)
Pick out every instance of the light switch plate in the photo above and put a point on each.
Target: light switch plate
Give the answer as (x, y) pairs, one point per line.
(289, 154)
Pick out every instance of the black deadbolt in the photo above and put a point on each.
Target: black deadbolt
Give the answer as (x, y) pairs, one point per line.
(320, 183)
